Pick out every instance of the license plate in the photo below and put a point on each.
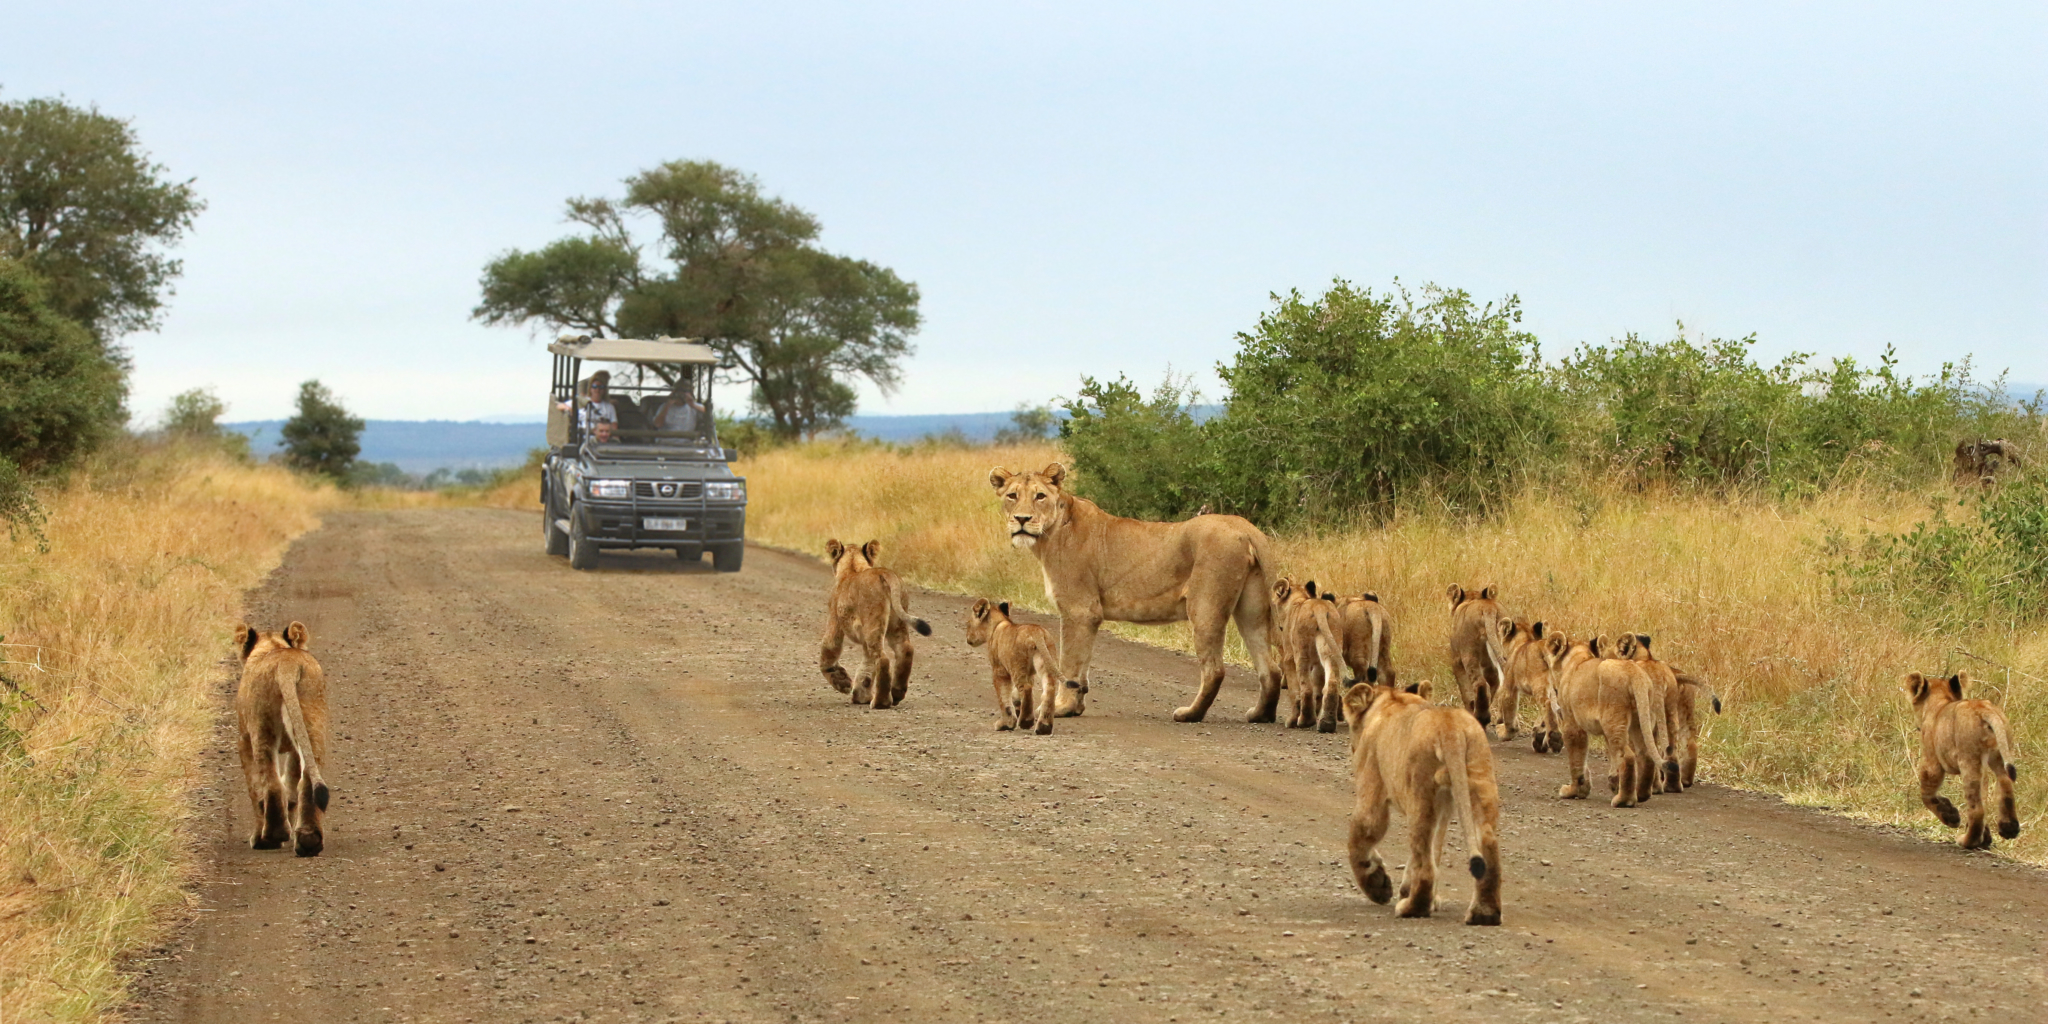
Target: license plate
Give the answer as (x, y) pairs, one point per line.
(671, 525)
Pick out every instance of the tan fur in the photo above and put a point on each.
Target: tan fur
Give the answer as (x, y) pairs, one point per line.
(1476, 663)
(1527, 675)
(1209, 570)
(1599, 696)
(1366, 632)
(281, 714)
(1970, 738)
(869, 607)
(1681, 712)
(1309, 652)
(1022, 663)
(1427, 761)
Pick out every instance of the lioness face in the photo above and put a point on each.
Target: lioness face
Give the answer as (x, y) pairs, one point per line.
(1031, 502)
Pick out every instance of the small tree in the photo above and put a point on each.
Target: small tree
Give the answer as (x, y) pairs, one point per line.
(60, 394)
(322, 438)
(195, 416)
(1030, 423)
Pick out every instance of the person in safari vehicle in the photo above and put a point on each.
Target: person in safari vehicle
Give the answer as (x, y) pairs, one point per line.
(599, 418)
(681, 414)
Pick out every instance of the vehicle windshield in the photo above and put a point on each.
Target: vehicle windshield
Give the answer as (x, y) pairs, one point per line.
(647, 404)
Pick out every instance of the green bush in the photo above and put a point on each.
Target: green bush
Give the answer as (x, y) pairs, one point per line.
(1136, 456)
(60, 395)
(1987, 563)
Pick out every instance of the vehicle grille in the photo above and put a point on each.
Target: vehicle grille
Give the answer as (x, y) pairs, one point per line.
(666, 489)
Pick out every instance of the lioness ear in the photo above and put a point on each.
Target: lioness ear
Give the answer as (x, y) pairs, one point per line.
(999, 476)
(245, 638)
(295, 634)
(1536, 631)
(1005, 606)
(1486, 595)
(833, 549)
(1956, 683)
(871, 551)
(1055, 474)
(1457, 595)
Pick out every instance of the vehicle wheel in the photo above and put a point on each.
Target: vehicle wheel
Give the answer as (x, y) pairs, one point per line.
(726, 557)
(557, 541)
(582, 553)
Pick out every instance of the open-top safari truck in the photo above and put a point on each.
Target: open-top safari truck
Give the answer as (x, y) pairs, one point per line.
(634, 461)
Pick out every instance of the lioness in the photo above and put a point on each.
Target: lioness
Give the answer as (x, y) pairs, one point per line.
(1022, 663)
(1310, 653)
(281, 713)
(1969, 738)
(1597, 696)
(1681, 711)
(1209, 570)
(1475, 649)
(1426, 760)
(867, 605)
(1526, 674)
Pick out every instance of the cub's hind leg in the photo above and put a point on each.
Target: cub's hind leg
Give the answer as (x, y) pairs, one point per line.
(1976, 835)
(1369, 821)
(1418, 883)
(2008, 814)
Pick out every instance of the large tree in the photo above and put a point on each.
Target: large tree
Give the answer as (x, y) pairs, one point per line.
(60, 393)
(743, 273)
(84, 208)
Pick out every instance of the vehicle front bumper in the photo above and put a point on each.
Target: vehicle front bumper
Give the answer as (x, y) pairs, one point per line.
(623, 523)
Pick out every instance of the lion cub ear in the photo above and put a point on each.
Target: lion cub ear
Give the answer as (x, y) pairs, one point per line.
(1916, 686)
(1309, 588)
(1055, 474)
(872, 551)
(1457, 595)
(998, 477)
(1005, 606)
(295, 634)
(1536, 631)
(1357, 700)
(1956, 683)
(1593, 645)
(245, 639)
(1507, 629)
(833, 549)
(1487, 594)
(980, 609)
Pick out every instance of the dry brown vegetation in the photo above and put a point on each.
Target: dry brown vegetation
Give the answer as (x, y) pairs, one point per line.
(115, 640)
(1733, 590)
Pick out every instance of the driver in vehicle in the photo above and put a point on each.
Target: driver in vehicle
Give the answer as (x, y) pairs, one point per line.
(680, 414)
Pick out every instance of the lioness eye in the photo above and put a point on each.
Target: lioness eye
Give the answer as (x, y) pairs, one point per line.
(1040, 497)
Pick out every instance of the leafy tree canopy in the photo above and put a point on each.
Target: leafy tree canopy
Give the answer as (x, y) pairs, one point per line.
(87, 211)
(742, 272)
(60, 393)
(322, 438)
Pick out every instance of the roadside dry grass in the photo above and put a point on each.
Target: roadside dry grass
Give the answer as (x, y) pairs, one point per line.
(116, 640)
(1731, 589)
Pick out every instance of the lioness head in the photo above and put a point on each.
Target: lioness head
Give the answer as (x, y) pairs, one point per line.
(1921, 688)
(982, 619)
(1032, 505)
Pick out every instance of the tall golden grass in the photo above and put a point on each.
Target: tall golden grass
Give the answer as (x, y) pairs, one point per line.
(1731, 589)
(116, 638)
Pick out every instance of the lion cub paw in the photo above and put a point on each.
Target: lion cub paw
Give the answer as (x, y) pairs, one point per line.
(1947, 812)
(2009, 829)
(1377, 884)
(1476, 915)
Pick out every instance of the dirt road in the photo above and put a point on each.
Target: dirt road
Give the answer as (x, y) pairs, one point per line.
(627, 795)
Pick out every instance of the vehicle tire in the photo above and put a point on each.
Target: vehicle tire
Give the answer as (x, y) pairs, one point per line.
(557, 541)
(727, 557)
(582, 553)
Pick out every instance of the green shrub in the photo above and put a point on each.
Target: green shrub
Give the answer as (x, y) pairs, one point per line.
(1136, 456)
(1989, 562)
(60, 395)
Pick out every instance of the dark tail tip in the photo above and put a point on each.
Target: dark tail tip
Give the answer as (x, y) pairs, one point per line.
(320, 795)
(2012, 771)
(1717, 704)
(923, 628)
(1479, 868)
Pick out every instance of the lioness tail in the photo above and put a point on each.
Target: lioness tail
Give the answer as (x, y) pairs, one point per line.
(295, 727)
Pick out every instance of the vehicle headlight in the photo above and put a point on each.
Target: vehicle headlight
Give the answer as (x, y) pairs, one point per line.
(611, 488)
(730, 490)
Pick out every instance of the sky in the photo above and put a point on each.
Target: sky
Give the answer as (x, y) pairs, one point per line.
(1083, 189)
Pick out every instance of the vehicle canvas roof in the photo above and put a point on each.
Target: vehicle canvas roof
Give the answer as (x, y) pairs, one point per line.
(633, 350)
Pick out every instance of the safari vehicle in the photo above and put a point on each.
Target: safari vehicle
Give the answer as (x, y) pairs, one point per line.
(648, 474)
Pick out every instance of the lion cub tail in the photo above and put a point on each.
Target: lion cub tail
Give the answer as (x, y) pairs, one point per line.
(2001, 733)
(288, 678)
(1456, 754)
(901, 606)
(1703, 686)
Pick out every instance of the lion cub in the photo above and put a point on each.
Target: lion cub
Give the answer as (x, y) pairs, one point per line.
(1599, 696)
(1681, 711)
(1426, 760)
(281, 713)
(1310, 653)
(867, 605)
(1969, 738)
(1527, 674)
(1023, 663)
(1475, 649)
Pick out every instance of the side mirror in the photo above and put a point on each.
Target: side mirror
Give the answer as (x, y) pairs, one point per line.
(731, 454)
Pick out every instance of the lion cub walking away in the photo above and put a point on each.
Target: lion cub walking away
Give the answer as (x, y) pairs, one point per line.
(1681, 711)
(1426, 760)
(867, 606)
(1475, 649)
(1310, 653)
(1600, 696)
(1527, 675)
(1969, 738)
(1022, 662)
(281, 713)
